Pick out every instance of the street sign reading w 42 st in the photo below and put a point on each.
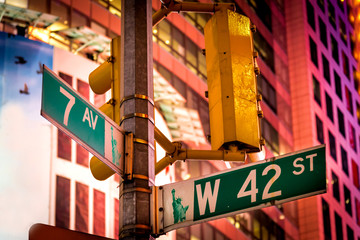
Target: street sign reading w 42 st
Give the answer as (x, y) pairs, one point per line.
(82, 121)
(252, 186)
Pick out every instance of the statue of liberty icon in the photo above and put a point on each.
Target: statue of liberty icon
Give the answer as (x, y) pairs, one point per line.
(179, 211)
(115, 153)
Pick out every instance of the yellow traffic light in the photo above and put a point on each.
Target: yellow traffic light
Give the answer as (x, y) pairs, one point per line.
(231, 75)
(103, 78)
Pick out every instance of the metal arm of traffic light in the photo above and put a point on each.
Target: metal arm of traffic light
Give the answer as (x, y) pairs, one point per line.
(169, 6)
(174, 152)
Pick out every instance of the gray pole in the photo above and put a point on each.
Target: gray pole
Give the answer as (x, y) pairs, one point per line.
(137, 116)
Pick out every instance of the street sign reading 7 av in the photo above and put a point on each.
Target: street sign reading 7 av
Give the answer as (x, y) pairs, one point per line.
(252, 186)
(79, 119)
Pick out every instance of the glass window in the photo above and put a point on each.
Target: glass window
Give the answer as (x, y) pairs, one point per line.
(271, 135)
(334, 49)
(335, 186)
(285, 113)
(104, 3)
(310, 15)
(78, 19)
(350, 232)
(83, 88)
(321, 4)
(358, 112)
(355, 173)
(338, 87)
(341, 122)
(202, 65)
(338, 224)
(329, 107)
(60, 10)
(349, 104)
(81, 207)
(164, 34)
(201, 20)
(82, 156)
(319, 130)
(313, 51)
(263, 11)
(316, 89)
(179, 85)
(326, 68)
(326, 219)
(341, 4)
(342, 29)
(265, 50)
(282, 73)
(62, 204)
(99, 213)
(115, 11)
(191, 54)
(356, 77)
(192, 99)
(67, 78)
(178, 43)
(63, 146)
(357, 205)
(347, 199)
(332, 17)
(332, 145)
(279, 33)
(197, 19)
(204, 116)
(352, 139)
(165, 73)
(114, 6)
(181, 47)
(344, 161)
(267, 91)
(323, 32)
(346, 67)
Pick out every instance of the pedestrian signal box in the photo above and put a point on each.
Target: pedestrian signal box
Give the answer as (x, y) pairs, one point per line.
(231, 75)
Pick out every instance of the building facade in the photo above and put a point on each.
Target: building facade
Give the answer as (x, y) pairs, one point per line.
(325, 102)
(310, 88)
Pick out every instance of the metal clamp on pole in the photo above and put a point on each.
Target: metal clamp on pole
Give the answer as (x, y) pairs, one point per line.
(169, 6)
(137, 96)
(142, 231)
(138, 115)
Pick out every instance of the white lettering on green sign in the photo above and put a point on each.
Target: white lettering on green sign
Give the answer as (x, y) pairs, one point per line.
(68, 106)
(208, 196)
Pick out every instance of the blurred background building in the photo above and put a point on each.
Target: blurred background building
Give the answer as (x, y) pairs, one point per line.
(308, 57)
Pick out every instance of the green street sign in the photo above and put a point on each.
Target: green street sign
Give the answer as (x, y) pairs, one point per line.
(249, 187)
(82, 121)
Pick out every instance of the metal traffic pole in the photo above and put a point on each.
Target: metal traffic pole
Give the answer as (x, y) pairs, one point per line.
(137, 111)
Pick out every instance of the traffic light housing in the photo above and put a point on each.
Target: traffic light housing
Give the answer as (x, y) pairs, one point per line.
(234, 107)
(103, 78)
